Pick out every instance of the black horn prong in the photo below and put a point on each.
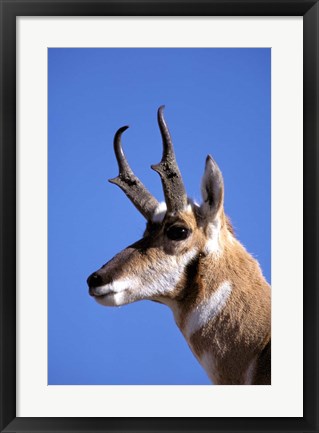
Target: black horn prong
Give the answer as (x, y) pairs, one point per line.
(173, 187)
(118, 148)
(130, 184)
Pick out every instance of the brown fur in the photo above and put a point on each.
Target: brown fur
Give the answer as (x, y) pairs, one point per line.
(184, 271)
(240, 334)
(242, 330)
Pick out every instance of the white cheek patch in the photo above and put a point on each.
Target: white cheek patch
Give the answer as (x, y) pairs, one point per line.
(162, 283)
(169, 272)
(207, 310)
(150, 285)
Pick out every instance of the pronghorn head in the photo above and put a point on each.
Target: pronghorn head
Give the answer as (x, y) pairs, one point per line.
(178, 232)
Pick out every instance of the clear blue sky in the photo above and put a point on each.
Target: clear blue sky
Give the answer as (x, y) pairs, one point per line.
(217, 102)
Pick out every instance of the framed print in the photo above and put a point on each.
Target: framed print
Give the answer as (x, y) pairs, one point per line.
(238, 137)
(160, 361)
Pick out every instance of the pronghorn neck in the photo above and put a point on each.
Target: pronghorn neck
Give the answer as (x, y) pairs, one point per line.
(224, 314)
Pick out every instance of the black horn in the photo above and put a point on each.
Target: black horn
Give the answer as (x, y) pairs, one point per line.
(130, 184)
(173, 187)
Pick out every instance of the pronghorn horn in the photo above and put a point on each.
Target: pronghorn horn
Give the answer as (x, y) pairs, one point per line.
(174, 190)
(130, 184)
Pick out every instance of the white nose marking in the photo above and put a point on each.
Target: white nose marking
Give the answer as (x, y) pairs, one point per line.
(117, 286)
(207, 309)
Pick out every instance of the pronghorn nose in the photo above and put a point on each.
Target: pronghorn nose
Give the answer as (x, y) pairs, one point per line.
(95, 280)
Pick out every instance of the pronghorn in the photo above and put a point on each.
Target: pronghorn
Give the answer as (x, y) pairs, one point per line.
(190, 260)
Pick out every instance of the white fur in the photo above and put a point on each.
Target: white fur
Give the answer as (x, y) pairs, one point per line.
(112, 294)
(207, 310)
(161, 210)
(230, 237)
(147, 285)
(212, 245)
(189, 208)
(116, 286)
(159, 213)
(169, 272)
(112, 299)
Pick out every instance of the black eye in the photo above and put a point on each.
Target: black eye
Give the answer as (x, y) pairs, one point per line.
(177, 233)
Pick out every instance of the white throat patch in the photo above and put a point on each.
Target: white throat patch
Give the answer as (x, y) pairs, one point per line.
(207, 310)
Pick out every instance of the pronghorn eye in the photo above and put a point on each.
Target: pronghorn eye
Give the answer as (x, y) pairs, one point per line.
(177, 233)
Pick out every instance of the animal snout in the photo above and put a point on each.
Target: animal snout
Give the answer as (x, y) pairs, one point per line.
(95, 280)
(98, 282)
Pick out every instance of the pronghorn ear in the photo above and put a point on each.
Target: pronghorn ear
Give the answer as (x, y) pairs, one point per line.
(212, 190)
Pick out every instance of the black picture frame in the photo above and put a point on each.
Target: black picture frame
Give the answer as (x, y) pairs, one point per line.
(10, 9)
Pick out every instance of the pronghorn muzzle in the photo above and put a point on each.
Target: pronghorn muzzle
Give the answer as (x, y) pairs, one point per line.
(101, 281)
(113, 277)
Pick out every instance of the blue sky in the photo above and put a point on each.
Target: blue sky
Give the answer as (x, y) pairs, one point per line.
(217, 102)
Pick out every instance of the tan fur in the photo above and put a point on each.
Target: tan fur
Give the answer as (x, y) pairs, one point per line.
(242, 330)
(237, 339)
(190, 260)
